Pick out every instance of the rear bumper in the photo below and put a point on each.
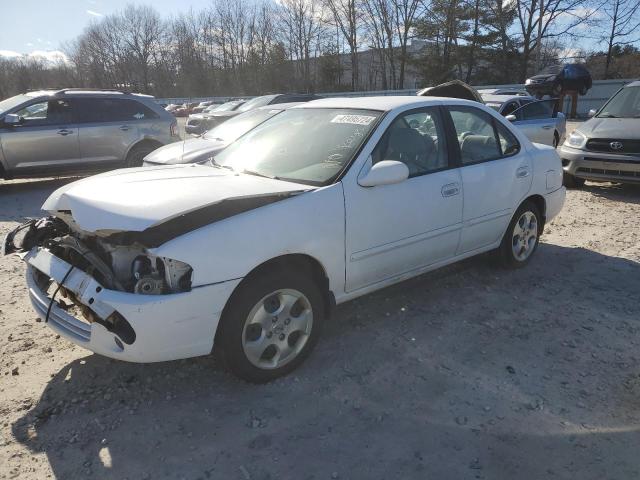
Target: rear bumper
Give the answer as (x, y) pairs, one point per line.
(598, 166)
(167, 327)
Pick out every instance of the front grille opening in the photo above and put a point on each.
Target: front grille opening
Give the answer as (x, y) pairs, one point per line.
(615, 173)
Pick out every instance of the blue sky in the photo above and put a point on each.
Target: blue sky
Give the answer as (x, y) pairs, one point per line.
(32, 25)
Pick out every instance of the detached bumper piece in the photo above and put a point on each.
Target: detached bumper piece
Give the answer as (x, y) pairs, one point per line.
(126, 326)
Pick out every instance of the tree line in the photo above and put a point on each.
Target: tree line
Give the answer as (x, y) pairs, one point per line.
(235, 47)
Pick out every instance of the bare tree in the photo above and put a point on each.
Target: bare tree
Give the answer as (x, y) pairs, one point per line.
(623, 23)
(345, 14)
(539, 20)
(406, 12)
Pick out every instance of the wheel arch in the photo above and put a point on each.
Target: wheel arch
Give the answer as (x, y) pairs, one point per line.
(145, 142)
(538, 201)
(286, 261)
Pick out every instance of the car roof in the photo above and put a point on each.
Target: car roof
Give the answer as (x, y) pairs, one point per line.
(383, 103)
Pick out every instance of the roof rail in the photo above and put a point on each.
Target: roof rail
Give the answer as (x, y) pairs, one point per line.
(97, 90)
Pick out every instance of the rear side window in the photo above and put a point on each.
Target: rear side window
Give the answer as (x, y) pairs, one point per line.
(480, 137)
(98, 110)
(536, 110)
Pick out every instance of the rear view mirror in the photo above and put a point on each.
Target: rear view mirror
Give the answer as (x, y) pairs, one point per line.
(12, 119)
(385, 172)
(592, 112)
(511, 118)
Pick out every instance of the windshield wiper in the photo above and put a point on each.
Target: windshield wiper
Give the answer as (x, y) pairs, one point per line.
(257, 174)
(213, 163)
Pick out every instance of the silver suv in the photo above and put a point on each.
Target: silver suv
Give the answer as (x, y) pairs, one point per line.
(74, 131)
(606, 148)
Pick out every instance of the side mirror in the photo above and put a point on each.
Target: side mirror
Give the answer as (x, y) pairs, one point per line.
(592, 112)
(511, 118)
(12, 119)
(385, 172)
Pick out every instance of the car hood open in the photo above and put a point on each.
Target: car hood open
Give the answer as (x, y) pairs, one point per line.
(139, 199)
(615, 128)
(188, 151)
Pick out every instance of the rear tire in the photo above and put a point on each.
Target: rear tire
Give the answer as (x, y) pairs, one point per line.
(137, 154)
(556, 139)
(571, 181)
(271, 324)
(520, 241)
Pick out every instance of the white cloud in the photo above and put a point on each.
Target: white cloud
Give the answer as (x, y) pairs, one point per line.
(50, 56)
(94, 14)
(9, 54)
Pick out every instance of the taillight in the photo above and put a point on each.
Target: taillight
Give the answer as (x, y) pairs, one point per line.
(173, 129)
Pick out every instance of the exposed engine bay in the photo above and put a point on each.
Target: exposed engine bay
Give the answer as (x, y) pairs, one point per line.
(128, 268)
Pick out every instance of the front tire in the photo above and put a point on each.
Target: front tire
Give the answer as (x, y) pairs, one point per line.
(271, 324)
(571, 181)
(520, 241)
(137, 154)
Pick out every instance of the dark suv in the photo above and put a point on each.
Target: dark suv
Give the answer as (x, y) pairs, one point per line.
(72, 131)
(558, 79)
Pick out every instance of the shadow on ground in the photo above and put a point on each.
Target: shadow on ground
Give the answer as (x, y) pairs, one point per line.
(469, 372)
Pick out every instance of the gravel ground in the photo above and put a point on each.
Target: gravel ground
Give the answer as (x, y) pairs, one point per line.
(468, 372)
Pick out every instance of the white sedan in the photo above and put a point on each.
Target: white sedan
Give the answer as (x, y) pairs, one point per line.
(321, 204)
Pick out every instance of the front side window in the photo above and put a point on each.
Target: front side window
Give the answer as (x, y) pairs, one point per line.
(509, 108)
(50, 112)
(544, 109)
(416, 139)
(304, 145)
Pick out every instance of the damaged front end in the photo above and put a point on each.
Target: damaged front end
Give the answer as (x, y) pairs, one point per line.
(127, 268)
(76, 280)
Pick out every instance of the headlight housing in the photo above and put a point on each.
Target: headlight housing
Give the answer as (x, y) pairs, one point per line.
(527, 81)
(576, 139)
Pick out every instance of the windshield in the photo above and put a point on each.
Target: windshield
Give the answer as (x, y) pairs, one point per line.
(11, 102)
(238, 126)
(305, 145)
(256, 102)
(624, 104)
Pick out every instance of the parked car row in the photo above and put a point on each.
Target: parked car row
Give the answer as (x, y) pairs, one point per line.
(307, 206)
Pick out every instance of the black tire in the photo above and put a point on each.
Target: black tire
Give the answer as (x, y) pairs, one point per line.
(505, 252)
(243, 301)
(137, 154)
(556, 139)
(557, 88)
(570, 181)
(583, 90)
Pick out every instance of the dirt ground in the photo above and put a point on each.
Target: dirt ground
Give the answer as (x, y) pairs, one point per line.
(468, 372)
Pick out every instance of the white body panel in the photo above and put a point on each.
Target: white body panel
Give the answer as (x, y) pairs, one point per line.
(364, 238)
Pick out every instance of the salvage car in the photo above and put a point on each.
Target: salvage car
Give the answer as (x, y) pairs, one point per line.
(198, 123)
(246, 255)
(203, 147)
(557, 79)
(538, 119)
(606, 148)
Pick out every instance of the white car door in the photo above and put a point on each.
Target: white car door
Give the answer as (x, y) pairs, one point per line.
(394, 229)
(496, 176)
(537, 121)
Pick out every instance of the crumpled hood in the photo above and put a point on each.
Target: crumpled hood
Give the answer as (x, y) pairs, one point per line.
(138, 198)
(188, 151)
(617, 128)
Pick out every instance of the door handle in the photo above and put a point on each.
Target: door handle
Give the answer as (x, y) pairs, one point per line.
(124, 128)
(522, 172)
(547, 127)
(450, 189)
(64, 132)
